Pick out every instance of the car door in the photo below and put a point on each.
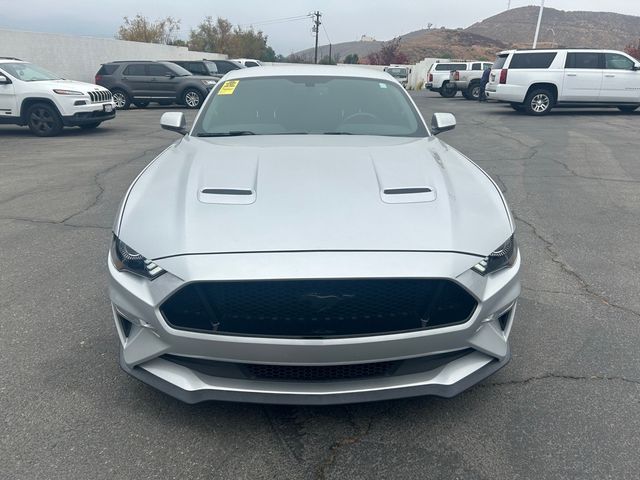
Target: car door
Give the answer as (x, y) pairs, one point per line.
(135, 78)
(163, 81)
(583, 73)
(8, 105)
(621, 80)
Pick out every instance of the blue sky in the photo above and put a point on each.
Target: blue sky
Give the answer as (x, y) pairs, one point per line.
(344, 20)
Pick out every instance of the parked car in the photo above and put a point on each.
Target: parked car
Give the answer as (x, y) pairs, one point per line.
(438, 78)
(535, 81)
(46, 102)
(468, 80)
(400, 73)
(212, 68)
(280, 257)
(142, 82)
(248, 62)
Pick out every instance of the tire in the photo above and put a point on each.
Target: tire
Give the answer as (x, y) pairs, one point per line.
(628, 108)
(448, 90)
(90, 126)
(121, 99)
(141, 104)
(517, 107)
(44, 120)
(473, 91)
(539, 102)
(466, 95)
(192, 98)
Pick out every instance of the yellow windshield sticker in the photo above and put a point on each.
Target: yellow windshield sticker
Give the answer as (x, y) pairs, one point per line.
(229, 87)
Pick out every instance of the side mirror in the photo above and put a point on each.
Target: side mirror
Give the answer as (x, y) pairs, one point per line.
(169, 75)
(636, 67)
(442, 122)
(4, 80)
(174, 121)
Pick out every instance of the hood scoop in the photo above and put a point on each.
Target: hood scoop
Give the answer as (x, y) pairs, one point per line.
(236, 184)
(403, 180)
(229, 196)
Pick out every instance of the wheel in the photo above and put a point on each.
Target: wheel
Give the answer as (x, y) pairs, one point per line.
(121, 99)
(539, 102)
(44, 120)
(140, 104)
(466, 95)
(90, 126)
(517, 107)
(628, 108)
(448, 90)
(473, 91)
(192, 98)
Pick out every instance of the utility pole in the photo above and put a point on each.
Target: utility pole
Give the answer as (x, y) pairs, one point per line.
(535, 39)
(330, 57)
(316, 30)
(509, 5)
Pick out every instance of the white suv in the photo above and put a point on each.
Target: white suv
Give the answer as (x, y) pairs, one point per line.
(535, 81)
(438, 78)
(30, 95)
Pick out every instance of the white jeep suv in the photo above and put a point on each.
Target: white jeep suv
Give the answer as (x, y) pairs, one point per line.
(535, 81)
(30, 95)
(438, 77)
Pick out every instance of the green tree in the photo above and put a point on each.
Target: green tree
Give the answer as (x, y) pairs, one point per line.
(352, 58)
(142, 29)
(220, 36)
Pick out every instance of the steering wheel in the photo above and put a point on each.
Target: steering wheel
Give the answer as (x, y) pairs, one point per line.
(360, 114)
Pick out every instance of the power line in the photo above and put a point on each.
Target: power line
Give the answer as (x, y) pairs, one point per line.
(276, 20)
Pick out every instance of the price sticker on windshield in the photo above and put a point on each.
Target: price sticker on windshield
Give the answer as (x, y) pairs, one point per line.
(229, 87)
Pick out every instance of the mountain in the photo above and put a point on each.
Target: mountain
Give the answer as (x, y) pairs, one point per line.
(438, 43)
(512, 28)
(561, 28)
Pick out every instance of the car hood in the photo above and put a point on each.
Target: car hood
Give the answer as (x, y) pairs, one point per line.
(70, 85)
(312, 193)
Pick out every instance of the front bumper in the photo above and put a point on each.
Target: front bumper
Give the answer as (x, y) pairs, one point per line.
(147, 348)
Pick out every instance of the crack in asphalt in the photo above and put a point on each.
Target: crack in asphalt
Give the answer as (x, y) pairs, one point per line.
(559, 292)
(559, 376)
(52, 222)
(576, 276)
(334, 450)
(96, 180)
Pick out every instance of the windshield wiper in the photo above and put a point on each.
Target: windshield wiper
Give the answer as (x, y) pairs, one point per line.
(232, 133)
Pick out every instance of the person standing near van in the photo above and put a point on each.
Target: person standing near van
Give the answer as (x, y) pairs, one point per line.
(483, 84)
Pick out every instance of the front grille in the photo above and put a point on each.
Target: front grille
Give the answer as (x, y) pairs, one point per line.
(318, 308)
(100, 96)
(332, 372)
(316, 373)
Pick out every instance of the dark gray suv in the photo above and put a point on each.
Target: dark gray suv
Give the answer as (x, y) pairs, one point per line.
(213, 68)
(143, 82)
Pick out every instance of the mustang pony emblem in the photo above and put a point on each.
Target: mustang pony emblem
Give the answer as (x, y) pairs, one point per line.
(321, 303)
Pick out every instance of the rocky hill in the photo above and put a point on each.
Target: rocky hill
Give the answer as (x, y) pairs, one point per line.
(561, 28)
(512, 28)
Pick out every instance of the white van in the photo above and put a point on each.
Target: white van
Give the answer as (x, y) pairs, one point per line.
(535, 81)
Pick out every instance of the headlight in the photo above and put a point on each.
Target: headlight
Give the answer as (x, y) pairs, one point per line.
(209, 83)
(66, 92)
(503, 257)
(127, 259)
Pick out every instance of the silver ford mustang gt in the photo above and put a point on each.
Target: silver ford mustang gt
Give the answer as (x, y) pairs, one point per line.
(310, 241)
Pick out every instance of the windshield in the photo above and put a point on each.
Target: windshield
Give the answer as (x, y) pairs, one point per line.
(28, 72)
(397, 72)
(211, 67)
(297, 105)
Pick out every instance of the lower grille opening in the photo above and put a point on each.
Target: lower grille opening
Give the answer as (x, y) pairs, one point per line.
(125, 325)
(332, 372)
(316, 373)
(504, 320)
(318, 308)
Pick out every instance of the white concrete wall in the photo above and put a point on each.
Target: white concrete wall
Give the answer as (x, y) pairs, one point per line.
(79, 58)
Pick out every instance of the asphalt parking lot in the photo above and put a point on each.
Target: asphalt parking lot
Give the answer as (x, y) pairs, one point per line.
(567, 406)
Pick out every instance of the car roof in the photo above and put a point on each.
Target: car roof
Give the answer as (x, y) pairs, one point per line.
(548, 50)
(11, 60)
(314, 70)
